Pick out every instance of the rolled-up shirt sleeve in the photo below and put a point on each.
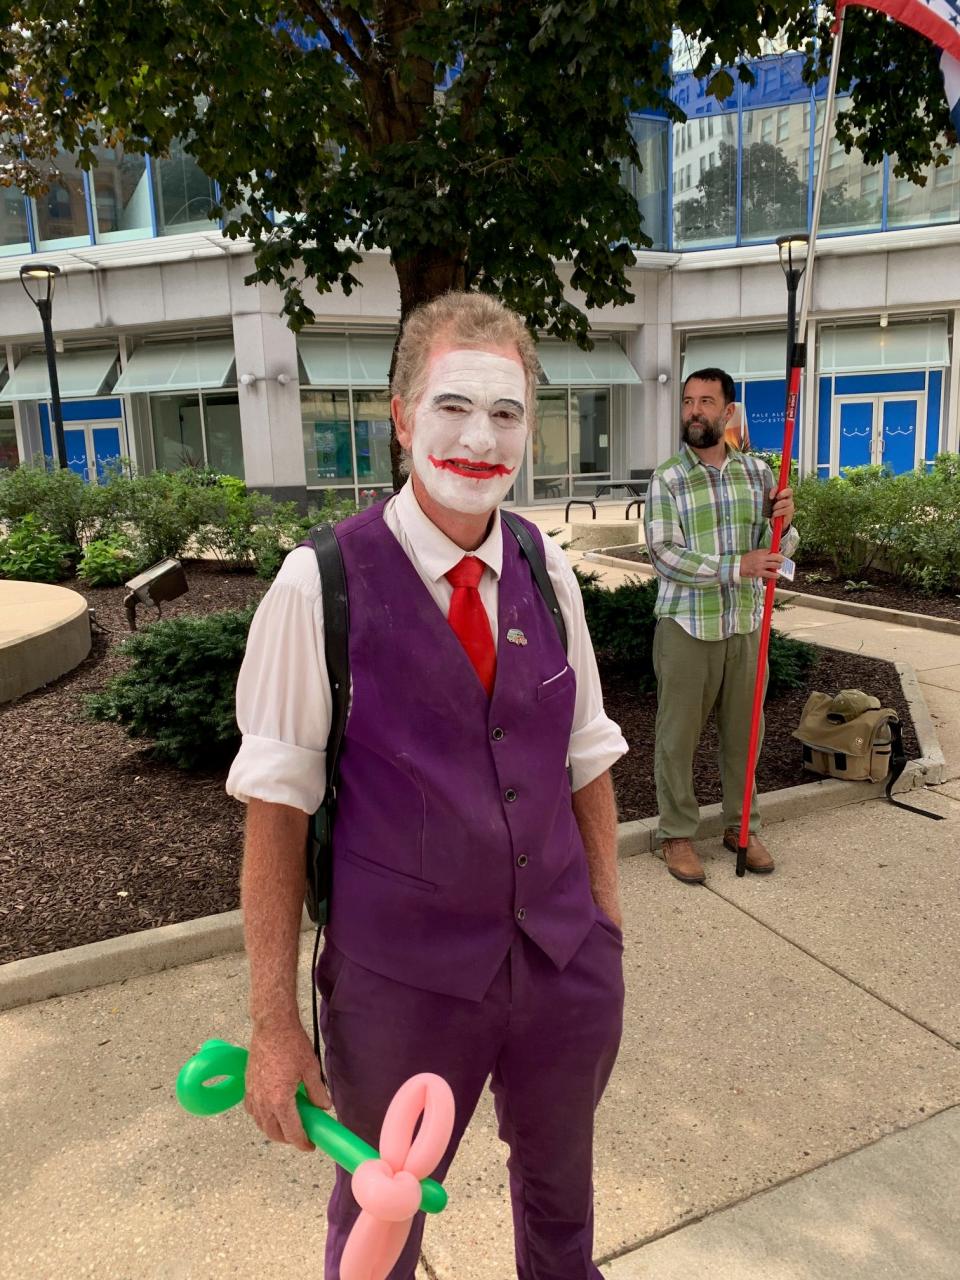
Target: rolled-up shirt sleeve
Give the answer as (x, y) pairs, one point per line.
(596, 742)
(283, 694)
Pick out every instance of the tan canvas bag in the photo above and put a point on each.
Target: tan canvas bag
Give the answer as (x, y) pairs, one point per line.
(840, 744)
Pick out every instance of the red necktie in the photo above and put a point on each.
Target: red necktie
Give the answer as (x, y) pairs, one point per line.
(469, 619)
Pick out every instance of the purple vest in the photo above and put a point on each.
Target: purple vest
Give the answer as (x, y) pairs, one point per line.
(454, 826)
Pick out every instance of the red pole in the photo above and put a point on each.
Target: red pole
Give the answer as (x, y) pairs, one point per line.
(789, 427)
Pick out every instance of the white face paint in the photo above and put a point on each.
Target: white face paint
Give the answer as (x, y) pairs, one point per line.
(470, 429)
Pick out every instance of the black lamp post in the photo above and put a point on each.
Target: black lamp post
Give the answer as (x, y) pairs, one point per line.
(38, 280)
(793, 260)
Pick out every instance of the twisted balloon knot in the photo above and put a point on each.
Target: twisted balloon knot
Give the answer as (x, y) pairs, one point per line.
(392, 1195)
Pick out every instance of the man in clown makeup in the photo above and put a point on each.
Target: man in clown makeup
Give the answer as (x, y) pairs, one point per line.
(475, 919)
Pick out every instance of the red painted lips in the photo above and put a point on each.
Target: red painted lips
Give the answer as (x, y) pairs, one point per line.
(471, 470)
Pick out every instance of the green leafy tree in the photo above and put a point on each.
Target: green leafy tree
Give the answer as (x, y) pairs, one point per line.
(479, 143)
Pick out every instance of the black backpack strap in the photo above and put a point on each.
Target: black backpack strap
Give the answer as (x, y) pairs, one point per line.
(898, 762)
(336, 643)
(538, 568)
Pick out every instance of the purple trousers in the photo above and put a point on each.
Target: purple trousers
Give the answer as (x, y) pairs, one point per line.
(547, 1040)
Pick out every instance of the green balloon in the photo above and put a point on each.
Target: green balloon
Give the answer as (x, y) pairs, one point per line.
(213, 1080)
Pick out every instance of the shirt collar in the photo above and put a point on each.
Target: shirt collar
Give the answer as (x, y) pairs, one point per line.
(691, 459)
(434, 550)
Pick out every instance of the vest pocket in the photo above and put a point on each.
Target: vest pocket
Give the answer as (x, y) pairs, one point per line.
(556, 684)
(386, 873)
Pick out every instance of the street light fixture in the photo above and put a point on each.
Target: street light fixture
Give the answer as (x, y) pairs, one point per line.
(38, 280)
(793, 260)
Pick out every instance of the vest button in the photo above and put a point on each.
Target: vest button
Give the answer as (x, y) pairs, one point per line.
(497, 734)
(522, 914)
(510, 795)
(522, 860)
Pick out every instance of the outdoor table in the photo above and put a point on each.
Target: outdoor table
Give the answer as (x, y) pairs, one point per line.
(637, 486)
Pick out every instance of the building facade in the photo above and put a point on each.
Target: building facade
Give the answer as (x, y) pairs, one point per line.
(169, 359)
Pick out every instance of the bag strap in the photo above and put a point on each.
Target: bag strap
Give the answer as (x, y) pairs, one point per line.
(538, 568)
(898, 762)
(336, 644)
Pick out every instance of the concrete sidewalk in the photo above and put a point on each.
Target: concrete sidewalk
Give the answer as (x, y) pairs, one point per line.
(775, 1027)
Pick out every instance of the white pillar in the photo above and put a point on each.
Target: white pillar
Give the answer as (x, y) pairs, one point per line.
(809, 406)
(269, 410)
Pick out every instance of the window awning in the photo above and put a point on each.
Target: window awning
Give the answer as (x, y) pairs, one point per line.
(564, 363)
(742, 355)
(80, 375)
(870, 349)
(179, 366)
(339, 360)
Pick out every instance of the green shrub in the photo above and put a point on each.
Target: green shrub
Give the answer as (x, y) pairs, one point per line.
(908, 523)
(107, 562)
(166, 513)
(789, 661)
(59, 500)
(179, 688)
(621, 623)
(31, 553)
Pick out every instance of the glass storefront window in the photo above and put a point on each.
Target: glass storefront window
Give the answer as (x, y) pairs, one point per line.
(853, 194)
(62, 211)
(551, 460)
(184, 194)
(9, 455)
(910, 205)
(325, 416)
(177, 431)
(776, 155)
(649, 185)
(14, 236)
(705, 202)
(221, 423)
(121, 194)
(371, 426)
(590, 432)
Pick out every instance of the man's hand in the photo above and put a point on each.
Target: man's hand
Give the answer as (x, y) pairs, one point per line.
(782, 505)
(280, 1057)
(760, 564)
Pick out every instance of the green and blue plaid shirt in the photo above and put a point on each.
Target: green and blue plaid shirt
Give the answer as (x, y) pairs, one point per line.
(698, 522)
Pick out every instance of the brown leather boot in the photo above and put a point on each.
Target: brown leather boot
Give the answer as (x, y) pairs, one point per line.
(758, 856)
(682, 861)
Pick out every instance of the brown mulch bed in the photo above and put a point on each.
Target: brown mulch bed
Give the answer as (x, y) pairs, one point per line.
(98, 840)
(885, 590)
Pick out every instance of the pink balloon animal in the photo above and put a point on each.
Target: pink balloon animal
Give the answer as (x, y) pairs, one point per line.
(388, 1190)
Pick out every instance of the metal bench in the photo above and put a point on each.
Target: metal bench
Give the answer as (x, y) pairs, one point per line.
(638, 484)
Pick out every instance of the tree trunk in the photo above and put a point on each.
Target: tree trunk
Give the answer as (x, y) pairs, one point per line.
(422, 277)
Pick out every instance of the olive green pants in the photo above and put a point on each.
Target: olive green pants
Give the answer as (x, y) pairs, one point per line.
(693, 678)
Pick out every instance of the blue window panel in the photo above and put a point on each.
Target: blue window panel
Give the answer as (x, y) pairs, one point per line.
(690, 94)
(76, 442)
(778, 81)
(45, 433)
(900, 422)
(106, 447)
(823, 426)
(934, 400)
(765, 401)
(856, 434)
(92, 410)
(873, 384)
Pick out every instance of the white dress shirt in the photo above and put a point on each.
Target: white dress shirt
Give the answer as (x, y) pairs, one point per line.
(283, 692)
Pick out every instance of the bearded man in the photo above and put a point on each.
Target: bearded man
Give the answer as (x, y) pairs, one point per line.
(474, 913)
(707, 524)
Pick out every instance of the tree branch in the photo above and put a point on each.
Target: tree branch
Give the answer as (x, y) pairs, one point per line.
(355, 24)
(337, 42)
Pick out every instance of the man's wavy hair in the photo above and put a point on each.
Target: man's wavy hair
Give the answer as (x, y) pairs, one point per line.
(465, 320)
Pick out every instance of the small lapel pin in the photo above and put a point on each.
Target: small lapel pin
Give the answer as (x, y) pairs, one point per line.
(516, 636)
